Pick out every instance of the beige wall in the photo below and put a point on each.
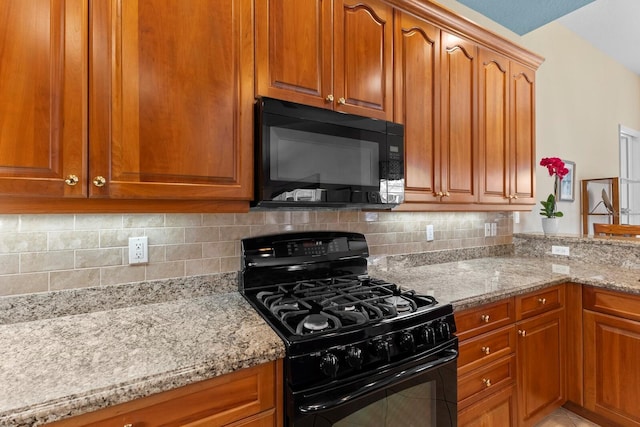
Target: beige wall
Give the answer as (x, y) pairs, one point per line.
(582, 96)
(51, 252)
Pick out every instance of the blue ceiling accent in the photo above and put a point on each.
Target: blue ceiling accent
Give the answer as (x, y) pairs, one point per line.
(522, 16)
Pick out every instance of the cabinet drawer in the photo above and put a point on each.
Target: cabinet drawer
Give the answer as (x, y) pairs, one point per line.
(486, 348)
(476, 321)
(246, 396)
(499, 409)
(611, 302)
(483, 381)
(537, 302)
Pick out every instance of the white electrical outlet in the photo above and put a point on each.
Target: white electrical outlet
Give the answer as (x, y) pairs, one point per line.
(430, 233)
(138, 250)
(560, 250)
(494, 229)
(487, 229)
(516, 217)
(560, 269)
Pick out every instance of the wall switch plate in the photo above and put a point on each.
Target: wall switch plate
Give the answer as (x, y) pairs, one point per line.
(560, 250)
(138, 250)
(430, 233)
(494, 229)
(487, 229)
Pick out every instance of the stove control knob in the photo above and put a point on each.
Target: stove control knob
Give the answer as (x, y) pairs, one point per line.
(329, 365)
(382, 349)
(354, 357)
(407, 342)
(428, 335)
(444, 330)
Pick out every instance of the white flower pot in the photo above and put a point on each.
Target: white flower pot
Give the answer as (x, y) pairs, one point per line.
(550, 225)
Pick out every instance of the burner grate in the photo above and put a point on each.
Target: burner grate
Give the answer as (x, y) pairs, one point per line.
(320, 306)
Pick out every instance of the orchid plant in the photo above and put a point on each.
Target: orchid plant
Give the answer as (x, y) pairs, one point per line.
(558, 170)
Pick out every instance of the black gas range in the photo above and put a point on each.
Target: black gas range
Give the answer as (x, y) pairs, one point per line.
(354, 343)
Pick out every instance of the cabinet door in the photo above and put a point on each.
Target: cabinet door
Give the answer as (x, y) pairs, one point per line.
(172, 99)
(499, 409)
(459, 129)
(43, 97)
(417, 45)
(523, 126)
(541, 375)
(493, 126)
(611, 370)
(294, 50)
(363, 48)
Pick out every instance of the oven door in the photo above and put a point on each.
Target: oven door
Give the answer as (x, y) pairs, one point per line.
(422, 393)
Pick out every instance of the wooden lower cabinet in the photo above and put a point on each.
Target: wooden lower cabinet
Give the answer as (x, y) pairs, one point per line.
(511, 368)
(541, 374)
(611, 368)
(250, 397)
(498, 409)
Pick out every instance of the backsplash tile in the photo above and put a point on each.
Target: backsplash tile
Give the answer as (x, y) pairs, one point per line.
(53, 252)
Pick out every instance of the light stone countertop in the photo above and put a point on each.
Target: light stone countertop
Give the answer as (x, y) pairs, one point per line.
(53, 368)
(473, 282)
(56, 367)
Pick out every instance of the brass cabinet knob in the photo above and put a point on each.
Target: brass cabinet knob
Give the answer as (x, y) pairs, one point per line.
(515, 196)
(99, 181)
(446, 194)
(522, 332)
(342, 101)
(128, 425)
(542, 301)
(439, 194)
(487, 382)
(329, 98)
(485, 318)
(72, 180)
(486, 350)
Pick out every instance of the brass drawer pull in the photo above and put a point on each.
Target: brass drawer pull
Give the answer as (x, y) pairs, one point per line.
(485, 318)
(486, 382)
(542, 301)
(522, 332)
(329, 98)
(486, 350)
(342, 101)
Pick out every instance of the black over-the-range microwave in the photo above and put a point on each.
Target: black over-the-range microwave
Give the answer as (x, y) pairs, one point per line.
(308, 157)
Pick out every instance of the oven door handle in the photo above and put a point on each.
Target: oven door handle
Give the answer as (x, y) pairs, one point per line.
(450, 354)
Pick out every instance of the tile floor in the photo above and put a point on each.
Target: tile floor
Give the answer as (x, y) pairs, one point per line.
(563, 418)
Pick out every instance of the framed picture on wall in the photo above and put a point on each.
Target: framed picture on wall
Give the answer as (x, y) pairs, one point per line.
(567, 185)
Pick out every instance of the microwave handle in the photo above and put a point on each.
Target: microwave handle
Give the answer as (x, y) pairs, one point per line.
(448, 356)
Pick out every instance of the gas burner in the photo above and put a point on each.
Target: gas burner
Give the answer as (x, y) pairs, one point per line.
(400, 303)
(315, 322)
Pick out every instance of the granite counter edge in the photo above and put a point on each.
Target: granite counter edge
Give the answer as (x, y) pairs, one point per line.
(487, 298)
(74, 405)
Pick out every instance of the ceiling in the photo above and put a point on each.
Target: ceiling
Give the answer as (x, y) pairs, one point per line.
(609, 25)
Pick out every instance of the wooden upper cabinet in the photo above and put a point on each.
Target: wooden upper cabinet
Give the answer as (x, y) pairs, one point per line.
(416, 50)
(493, 127)
(171, 99)
(459, 147)
(363, 65)
(43, 97)
(523, 139)
(334, 54)
(506, 126)
(294, 50)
